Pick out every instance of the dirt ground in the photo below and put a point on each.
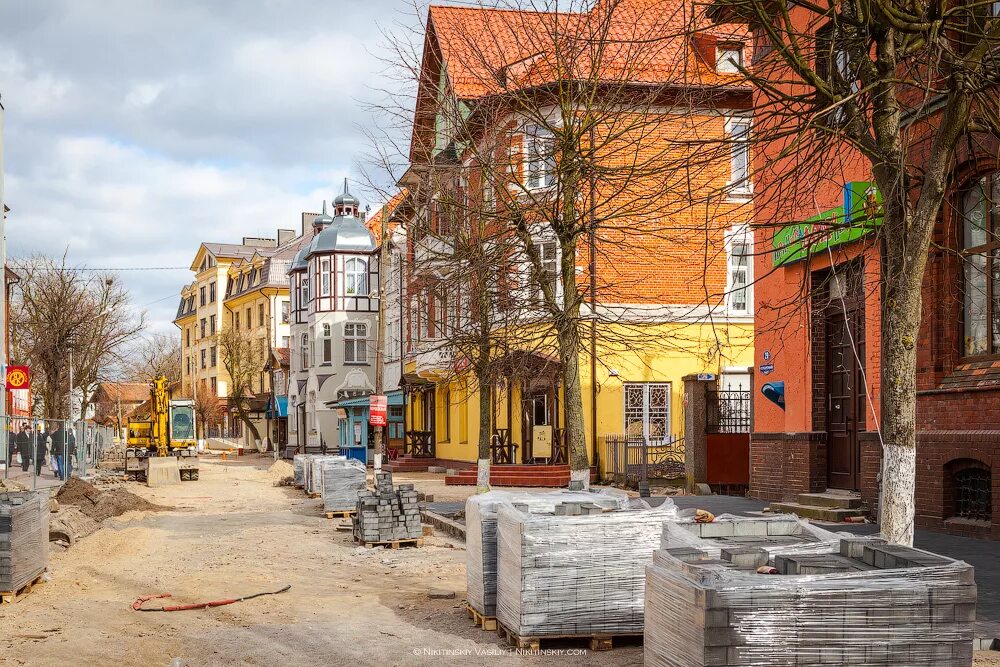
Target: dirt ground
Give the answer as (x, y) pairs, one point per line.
(233, 533)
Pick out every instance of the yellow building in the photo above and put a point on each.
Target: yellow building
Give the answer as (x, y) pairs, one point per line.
(245, 286)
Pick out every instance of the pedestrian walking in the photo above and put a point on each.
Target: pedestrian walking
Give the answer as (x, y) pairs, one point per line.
(62, 441)
(41, 448)
(10, 446)
(23, 443)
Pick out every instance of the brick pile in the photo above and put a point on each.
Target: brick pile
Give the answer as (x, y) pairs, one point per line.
(860, 602)
(342, 480)
(24, 538)
(313, 471)
(387, 514)
(299, 469)
(576, 572)
(481, 534)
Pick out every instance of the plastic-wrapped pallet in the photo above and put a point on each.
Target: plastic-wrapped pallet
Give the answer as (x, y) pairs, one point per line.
(575, 575)
(314, 471)
(24, 538)
(298, 469)
(784, 533)
(342, 479)
(706, 612)
(481, 533)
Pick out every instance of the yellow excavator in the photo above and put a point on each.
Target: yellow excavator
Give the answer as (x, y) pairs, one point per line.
(164, 448)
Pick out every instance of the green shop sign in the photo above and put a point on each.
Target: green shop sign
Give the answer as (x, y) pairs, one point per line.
(863, 208)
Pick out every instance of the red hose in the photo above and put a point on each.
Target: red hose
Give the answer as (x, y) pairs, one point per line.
(137, 605)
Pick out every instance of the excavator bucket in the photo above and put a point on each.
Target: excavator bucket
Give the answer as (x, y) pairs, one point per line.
(163, 471)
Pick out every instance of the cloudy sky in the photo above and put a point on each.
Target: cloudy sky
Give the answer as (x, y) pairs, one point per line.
(135, 129)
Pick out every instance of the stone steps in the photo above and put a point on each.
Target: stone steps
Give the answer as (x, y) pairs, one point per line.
(830, 499)
(817, 512)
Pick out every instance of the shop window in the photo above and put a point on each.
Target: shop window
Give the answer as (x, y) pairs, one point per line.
(980, 217)
(969, 490)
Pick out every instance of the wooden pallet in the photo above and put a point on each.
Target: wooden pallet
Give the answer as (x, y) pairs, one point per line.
(10, 597)
(393, 544)
(484, 622)
(600, 642)
(342, 514)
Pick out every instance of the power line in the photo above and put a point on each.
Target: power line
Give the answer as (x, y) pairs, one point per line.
(120, 268)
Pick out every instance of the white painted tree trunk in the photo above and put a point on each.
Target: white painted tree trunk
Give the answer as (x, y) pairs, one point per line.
(483, 476)
(899, 469)
(582, 476)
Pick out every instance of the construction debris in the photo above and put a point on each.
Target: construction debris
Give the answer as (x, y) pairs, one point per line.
(387, 514)
(100, 504)
(845, 600)
(574, 573)
(342, 480)
(24, 539)
(481, 534)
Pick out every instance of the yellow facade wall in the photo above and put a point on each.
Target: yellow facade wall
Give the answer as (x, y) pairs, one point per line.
(674, 351)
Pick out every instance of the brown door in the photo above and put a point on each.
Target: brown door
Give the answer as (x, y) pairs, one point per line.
(845, 400)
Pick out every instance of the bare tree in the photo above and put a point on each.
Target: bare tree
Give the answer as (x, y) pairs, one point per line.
(243, 357)
(563, 113)
(208, 409)
(908, 91)
(154, 356)
(65, 317)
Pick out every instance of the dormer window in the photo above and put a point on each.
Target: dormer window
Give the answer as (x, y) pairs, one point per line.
(356, 277)
(728, 58)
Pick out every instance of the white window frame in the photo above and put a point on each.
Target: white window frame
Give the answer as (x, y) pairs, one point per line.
(539, 164)
(739, 185)
(326, 332)
(725, 63)
(355, 344)
(739, 235)
(304, 351)
(324, 276)
(352, 274)
(648, 411)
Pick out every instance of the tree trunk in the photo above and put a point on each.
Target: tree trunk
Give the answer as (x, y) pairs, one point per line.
(576, 439)
(900, 329)
(485, 433)
(245, 418)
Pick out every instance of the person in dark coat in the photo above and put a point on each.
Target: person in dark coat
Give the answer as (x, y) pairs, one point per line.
(23, 443)
(41, 447)
(63, 445)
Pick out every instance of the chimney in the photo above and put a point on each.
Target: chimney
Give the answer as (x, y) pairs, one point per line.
(285, 235)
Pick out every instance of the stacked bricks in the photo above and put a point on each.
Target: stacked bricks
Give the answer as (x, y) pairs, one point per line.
(24, 538)
(313, 471)
(342, 480)
(577, 572)
(387, 514)
(862, 602)
(481, 534)
(299, 469)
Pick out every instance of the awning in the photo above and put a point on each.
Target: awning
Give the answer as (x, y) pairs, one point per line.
(282, 405)
(392, 398)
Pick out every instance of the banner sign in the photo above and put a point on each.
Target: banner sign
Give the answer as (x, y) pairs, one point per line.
(378, 409)
(18, 377)
(860, 214)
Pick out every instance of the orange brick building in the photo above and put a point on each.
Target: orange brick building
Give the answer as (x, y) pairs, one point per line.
(663, 266)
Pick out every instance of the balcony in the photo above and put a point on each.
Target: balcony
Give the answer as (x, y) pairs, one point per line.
(433, 359)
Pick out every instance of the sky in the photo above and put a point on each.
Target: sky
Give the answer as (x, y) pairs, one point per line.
(136, 129)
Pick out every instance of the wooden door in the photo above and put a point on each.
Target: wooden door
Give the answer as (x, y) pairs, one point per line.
(846, 396)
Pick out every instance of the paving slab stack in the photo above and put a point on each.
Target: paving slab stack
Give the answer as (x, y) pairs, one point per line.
(387, 514)
(576, 572)
(314, 471)
(24, 538)
(299, 469)
(843, 601)
(481, 533)
(342, 480)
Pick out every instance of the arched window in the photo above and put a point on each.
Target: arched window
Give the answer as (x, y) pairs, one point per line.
(304, 350)
(980, 218)
(356, 277)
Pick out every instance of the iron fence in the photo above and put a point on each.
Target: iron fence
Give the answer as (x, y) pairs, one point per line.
(633, 460)
(42, 453)
(728, 411)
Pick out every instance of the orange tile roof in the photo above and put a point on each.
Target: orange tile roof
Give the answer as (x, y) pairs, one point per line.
(641, 41)
(374, 221)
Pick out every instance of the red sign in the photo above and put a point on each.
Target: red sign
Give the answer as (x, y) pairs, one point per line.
(377, 409)
(18, 377)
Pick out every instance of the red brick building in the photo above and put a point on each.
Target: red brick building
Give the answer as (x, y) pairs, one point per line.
(817, 333)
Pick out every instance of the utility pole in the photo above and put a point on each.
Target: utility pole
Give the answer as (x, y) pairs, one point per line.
(383, 268)
(3, 301)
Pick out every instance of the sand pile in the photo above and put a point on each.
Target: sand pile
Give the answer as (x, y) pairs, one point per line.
(281, 473)
(11, 485)
(101, 504)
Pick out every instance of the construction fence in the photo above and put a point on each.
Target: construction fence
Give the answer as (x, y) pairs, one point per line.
(43, 453)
